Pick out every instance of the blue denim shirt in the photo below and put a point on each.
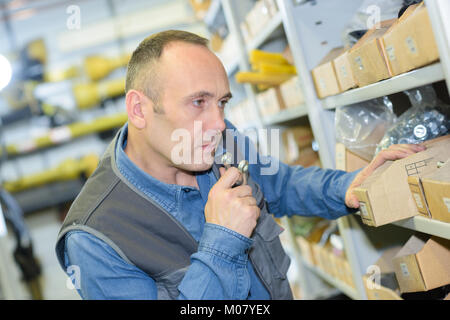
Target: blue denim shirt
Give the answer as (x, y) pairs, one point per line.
(220, 269)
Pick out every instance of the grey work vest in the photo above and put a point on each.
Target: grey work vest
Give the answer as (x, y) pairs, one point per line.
(145, 235)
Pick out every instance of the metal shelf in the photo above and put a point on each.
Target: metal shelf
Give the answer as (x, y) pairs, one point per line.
(286, 115)
(212, 13)
(232, 66)
(424, 225)
(268, 30)
(405, 81)
(342, 286)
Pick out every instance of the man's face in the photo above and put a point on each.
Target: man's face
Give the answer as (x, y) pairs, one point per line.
(194, 91)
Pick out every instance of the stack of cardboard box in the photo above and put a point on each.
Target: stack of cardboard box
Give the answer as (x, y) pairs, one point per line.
(388, 49)
(395, 190)
(380, 282)
(297, 143)
(326, 256)
(270, 102)
(420, 265)
(423, 264)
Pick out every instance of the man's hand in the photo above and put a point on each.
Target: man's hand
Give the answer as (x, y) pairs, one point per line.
(394, 152)
(232, 208)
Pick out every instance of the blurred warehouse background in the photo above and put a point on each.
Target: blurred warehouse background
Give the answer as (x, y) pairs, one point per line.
(63, 66)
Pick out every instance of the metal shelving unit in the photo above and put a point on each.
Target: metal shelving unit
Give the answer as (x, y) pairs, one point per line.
(425, 225)
(275, 23)
(286, 115)
(312, 29)
(409, 80)
(307, 38)
(232, 67)
(345, 288)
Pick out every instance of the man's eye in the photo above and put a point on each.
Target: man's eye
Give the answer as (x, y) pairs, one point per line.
(198, 103)
(223, 103)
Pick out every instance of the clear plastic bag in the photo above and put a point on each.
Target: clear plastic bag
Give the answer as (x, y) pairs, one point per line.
(427, 118)
(360, 127)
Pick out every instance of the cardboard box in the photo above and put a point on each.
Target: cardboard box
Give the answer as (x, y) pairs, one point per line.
(436, 187)
(309, 244)
(348, 274)
(433, 203)
(344, 72)
(307, 157)
(423, 264)
(415, 186)
(258, 17)
(347, 160)
(324, 75)
(292, 93)
(367, 57)
(410, 43)
(385, 196)
(387, 288)
(270, 101)
(200, 7)
(306, 250)
(296, 139)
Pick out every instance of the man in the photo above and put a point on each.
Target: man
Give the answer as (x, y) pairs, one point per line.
(149, 225)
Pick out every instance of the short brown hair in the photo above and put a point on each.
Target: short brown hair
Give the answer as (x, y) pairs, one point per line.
(141, 73)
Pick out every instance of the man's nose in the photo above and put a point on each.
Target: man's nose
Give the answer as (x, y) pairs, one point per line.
(216, 119)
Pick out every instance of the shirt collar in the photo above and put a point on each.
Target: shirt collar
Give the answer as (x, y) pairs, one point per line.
(165, 193)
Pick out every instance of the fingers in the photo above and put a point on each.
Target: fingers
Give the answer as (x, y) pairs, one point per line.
(407, 148)
(242, 191)
(228, 178)
(399, 151)
(249, 201)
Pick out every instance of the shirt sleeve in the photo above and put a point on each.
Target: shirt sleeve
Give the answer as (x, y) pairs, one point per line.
(98, 272)
(311, 191)
(290, 190)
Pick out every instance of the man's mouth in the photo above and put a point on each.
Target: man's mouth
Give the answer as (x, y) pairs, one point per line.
(209, 147)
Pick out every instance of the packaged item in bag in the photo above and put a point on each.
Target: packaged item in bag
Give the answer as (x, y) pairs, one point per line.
(360, 127)
(428, 118)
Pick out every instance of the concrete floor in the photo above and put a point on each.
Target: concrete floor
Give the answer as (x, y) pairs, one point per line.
(44, 227)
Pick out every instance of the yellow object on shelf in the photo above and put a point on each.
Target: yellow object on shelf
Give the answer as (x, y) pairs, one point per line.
(258, 56)
(88, 95)
(262, 87)
(262, 79)
(66, 133)
(69, 169)
(98, 67)
(60, 75)
(37, 50)
(268, 68)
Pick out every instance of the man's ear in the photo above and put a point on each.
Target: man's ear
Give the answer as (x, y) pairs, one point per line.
(135, 101)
